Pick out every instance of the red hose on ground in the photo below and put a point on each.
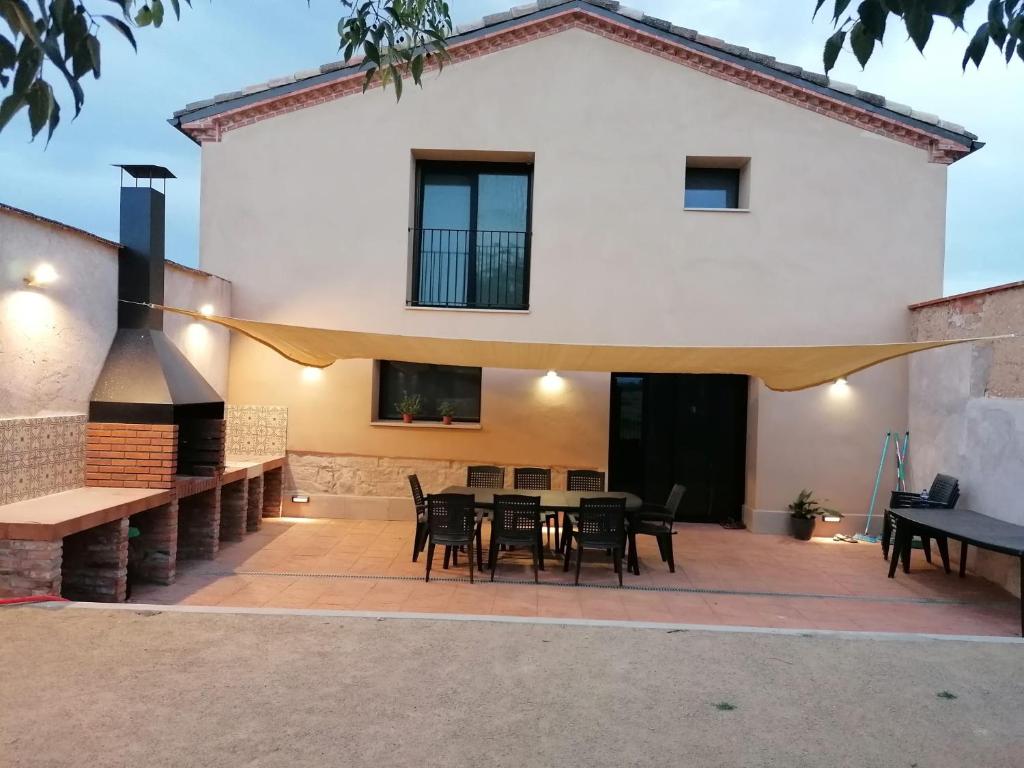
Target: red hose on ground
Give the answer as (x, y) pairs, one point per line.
(32, 599)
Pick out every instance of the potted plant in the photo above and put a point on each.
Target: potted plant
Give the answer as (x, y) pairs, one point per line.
(804, 512)
(447, 410)
(409, 406)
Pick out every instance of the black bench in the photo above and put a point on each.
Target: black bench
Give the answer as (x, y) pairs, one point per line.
(967, 527)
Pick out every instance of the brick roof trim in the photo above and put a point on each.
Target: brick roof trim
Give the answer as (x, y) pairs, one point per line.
(206, 120)
(966, 295)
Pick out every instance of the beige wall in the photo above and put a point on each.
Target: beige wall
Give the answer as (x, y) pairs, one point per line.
(53, 340)
(307, 214)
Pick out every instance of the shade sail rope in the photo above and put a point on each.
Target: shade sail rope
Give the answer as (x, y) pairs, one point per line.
(784, 369)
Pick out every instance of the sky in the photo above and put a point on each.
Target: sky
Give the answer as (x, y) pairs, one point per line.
(222, 45)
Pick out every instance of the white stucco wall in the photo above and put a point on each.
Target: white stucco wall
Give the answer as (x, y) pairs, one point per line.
(54, 339)
(307, 214)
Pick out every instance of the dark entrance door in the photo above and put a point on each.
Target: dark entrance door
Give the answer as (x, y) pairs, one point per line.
(680, 428)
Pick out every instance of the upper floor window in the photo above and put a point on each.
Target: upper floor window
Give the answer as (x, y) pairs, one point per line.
(716, 183)
(471, 242)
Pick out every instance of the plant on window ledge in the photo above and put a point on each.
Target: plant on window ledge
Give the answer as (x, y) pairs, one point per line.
(447, 411)
(409, 406)
(804, 512)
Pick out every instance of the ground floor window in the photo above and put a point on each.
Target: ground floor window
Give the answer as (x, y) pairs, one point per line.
(439, 387)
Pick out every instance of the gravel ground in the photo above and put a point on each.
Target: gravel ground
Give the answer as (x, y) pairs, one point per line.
(123, 688)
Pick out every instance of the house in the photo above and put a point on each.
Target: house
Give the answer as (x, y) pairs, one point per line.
(580, 173)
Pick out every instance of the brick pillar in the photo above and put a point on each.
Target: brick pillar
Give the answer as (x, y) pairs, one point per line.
(153, 554)
(199, 525)
(96, 563)
(131, 455)
(254, 518)
(29, 567)
(234, 510)
(272, 481)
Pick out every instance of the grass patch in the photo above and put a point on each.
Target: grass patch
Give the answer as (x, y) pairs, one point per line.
(724, 706)
(946, 695)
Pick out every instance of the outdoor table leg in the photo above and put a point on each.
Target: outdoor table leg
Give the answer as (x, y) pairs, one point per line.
(943, 544)
(1022, 595)
(963, 559)
(908, 541)
(897, 549)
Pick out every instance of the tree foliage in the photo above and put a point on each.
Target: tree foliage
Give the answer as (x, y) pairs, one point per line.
(866, 26)
(396, 38)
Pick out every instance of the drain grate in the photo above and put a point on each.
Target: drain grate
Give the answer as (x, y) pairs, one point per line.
(625, 587)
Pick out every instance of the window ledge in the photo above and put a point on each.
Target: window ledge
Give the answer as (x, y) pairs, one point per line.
(720, 210)
(424, 424)
(470, 309)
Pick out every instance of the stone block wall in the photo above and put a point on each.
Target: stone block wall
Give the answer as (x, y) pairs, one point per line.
(199, 526)
(95, 565)
(131, 455)
(30, 568)
(234, 510)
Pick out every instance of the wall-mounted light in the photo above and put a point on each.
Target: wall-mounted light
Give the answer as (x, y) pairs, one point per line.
(206, 310)
(840, 387)
(300, 498)
(44, 274)
(831, 517)
(309, 373)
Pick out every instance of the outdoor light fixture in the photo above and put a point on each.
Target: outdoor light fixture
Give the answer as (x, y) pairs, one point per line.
(841, 382)
(552, 374)
(300, 498)
(309, 373)
(41, 275)
(834, 517)
(206, 310)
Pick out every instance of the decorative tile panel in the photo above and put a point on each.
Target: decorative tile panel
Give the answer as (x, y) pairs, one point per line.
(256, 430)
(40, 456)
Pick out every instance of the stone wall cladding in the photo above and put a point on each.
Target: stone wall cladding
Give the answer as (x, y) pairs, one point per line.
(30, 568)
(982, 313)
(346, 475)
(153, 554)
(40, 456)
(131, 455)
(95, 565)
(256, 430)
(234, 510)
(254, 506)
(199, 526)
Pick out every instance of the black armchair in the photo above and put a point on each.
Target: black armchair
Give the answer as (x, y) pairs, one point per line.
(601, 524)
(943, 494)
(655, 520)
(420, 539)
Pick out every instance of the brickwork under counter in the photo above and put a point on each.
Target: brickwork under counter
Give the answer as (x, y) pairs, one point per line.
(273, 483)
(95, 565)
(254, 517)
(199, 526)
(153, 554)
(234, 510)
(30, 567)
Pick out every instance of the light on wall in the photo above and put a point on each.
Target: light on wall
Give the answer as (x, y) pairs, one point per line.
(831, 517)
(310, 373)
(206, 310)
(300, 498)
(552, 374)
(44, 274)
(552, 382)
(840, 386)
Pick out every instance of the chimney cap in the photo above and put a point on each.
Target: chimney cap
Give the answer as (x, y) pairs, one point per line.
(146, 171)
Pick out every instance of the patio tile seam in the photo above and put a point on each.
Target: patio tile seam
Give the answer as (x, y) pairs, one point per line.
(624, 588)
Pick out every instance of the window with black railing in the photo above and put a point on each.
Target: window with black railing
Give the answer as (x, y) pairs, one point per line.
(471, 248)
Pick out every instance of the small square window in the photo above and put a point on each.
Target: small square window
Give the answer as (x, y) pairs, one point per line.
(458, 386)
(716, 183)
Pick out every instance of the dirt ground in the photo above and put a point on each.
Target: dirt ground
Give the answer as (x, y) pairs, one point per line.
(85, 687)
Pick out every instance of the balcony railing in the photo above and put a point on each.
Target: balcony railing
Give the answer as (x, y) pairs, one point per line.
(470, 268)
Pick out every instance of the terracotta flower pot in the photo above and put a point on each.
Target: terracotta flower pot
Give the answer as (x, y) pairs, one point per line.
(407, 418)
(803, 527)
(446, 419)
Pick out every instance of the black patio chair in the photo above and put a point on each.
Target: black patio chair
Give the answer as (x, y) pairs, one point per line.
(452, 522)
(943, 494)
(584, 480)
(537, 479)
(516, 523)
(420, 539)
(655, 520)
(600, 524)
(485, 477)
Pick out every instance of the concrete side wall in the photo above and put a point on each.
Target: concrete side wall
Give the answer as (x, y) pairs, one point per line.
(308, 215)
(967, 412)
(54, 339)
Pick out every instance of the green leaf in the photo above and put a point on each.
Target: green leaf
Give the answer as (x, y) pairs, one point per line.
(862, 43)
(92, 44)
(976, 48)
(19, 18)
(872, 16)
(817, 7)
(176, 6)
(840, 7)
(832, 48)
(40, 104)
(121, 27)
(8, 53)
(54, 119)
(416, 69)
(918, 20)
(397, 77)
(9, 108)
(372, 52)
(158, 13)
(144, 17)
(997, 29)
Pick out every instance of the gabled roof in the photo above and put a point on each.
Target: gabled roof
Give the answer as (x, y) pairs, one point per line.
(946, 142)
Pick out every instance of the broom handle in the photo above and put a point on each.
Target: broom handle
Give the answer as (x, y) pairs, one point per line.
(878, 481)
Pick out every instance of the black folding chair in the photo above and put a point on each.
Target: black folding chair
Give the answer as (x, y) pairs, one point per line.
(420, 539)
(943, 494)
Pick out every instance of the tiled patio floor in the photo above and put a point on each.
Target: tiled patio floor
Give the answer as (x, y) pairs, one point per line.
(722, 577)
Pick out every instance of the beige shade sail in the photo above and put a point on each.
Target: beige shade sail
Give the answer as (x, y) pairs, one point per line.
(784, 369)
